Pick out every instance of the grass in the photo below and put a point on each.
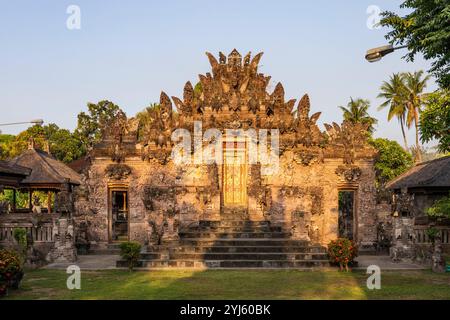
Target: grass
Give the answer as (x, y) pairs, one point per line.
(231, 284)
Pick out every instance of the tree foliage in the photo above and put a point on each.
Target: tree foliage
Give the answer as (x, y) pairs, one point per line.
(392, 91)
(425, 29)
(63, 145)
(145, 118)
(392, 160)
(435, 120)
(357, 111)
(90, 124)
(404, 94)
(440, 209)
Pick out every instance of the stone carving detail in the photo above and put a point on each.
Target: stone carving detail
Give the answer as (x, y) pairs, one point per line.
(316, 194)
(307, 131)
(117, 171)
(403, 203)
(350, 136)
(349, 173)
(154, 193)
(308, 157)
(300, 225)
(64, 202)
(115, 132)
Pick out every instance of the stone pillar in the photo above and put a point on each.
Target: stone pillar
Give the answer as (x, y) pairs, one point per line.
(438, 262)
(64, 249)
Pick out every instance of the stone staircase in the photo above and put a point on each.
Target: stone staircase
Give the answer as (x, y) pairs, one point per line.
(233, 243)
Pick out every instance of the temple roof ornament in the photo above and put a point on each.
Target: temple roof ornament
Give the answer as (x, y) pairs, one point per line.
(235, 95)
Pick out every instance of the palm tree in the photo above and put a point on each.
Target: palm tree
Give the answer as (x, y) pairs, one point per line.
(414, 99)
(394, 92)
(357, 112)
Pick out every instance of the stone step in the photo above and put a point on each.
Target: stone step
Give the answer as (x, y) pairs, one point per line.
(245, 256)
(221, 242)
(228, 229)
(233, 223)
(101, 252)
(227, 264)
(247, 249)
(233, 235)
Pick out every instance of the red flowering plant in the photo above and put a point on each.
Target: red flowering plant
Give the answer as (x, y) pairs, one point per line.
(11, 271)
(342, 251)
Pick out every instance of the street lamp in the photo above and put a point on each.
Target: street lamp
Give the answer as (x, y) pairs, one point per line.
(39, 122)
(36, 121)
(375, 54)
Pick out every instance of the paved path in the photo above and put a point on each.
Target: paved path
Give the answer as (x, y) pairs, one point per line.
(385, 263)
(89, 262)
(107, 262)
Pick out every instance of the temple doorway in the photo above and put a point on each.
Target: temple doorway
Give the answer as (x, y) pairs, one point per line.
(346, 214)
(119, 215)
(235, 175)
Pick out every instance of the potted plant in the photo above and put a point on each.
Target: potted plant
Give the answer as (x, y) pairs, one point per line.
(342, 251)
(130, 252)
(11, 271)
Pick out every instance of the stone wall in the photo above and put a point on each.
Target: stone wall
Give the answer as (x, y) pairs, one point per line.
(164, 198)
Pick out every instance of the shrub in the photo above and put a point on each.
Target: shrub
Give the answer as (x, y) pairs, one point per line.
(342, 251)
(11, 271)
(20, 235)
(130, 251)
(440, 209)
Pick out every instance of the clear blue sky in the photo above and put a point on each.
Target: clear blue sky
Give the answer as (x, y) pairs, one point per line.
(128, 51)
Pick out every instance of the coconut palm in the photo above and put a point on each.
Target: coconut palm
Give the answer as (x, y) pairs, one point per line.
(415, 84)
(357, 112)
(394, 92)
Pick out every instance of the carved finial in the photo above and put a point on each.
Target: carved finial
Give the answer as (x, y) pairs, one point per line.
(222, 58)
(212, 60)
(165, 102)
(31, 144)
(188, 93)
(278, 93)
(247, 59)
(255, 61)
(235, 58)
(303, 107)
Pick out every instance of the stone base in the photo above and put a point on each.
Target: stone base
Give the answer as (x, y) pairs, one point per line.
(401, 252)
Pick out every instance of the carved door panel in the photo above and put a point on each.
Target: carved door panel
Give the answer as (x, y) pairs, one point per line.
(235, 178)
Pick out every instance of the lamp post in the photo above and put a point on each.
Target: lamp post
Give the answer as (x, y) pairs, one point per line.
(39, 122)
(376, 54)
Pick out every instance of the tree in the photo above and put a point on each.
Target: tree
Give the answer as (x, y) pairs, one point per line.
(425, 29)
(435, 120)
(5, 141)
(414, 100)
(394, 92)
(145, 117)
(392, 160)
(89, 128)
(357, 112)
(63, 145)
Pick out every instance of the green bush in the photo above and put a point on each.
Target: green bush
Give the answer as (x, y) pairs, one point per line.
(440, 209)
(130, 251)
(20, 235)
(342, 251)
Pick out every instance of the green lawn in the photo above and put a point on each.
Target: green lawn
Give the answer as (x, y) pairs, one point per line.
(217, 284)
